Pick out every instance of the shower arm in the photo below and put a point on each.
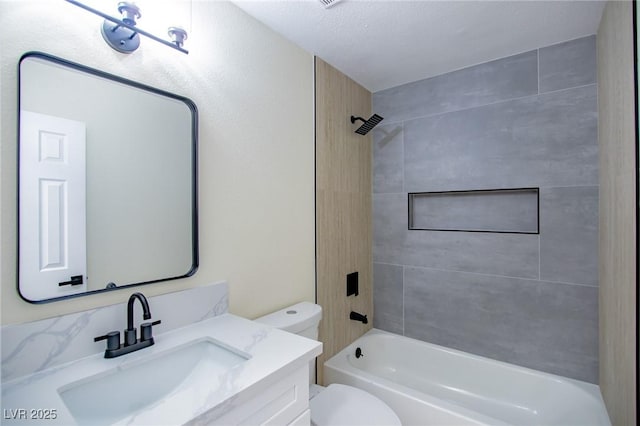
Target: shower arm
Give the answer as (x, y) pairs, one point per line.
(367, 125)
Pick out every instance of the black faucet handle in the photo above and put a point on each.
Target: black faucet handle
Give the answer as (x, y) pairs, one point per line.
(146, 332)
(113, 339)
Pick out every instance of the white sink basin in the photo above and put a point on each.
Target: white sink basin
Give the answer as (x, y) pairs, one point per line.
(115, 394)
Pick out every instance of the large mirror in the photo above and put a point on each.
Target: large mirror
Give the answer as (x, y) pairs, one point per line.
(107, 182)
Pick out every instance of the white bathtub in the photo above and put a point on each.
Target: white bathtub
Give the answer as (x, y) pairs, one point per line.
(426, 384)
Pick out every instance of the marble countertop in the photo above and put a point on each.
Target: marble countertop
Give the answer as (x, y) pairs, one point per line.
(272, 354)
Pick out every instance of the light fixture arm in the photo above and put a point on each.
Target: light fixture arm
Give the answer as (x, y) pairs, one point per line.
(124, 24)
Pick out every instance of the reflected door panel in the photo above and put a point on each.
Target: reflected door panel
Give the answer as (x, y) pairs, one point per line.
(52, 206)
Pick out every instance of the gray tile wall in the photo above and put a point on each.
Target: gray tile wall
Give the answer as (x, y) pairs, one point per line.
(529, 120)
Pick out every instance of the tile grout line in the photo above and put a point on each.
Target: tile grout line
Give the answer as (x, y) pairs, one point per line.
(403, 157)
(405, 119)
(540, 198)
(483, 274)
(569, 186)
(538, 68)
(492, 60)
(403, 330)
(539, 257)
(480, 189)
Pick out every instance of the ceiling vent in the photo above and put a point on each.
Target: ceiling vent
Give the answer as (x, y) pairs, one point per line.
(328, 3)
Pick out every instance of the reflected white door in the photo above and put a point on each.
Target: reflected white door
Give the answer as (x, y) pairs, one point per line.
(52, 206)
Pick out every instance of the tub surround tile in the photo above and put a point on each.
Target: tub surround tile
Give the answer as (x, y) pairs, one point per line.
(506, 78)
(388, 158)
(390, 223)
(513, 255)
(568, 64)
(500, 254)
(569, 235)
(526, 299)
(387, 298)
(545, 326)
(35, 346)
(545, 140)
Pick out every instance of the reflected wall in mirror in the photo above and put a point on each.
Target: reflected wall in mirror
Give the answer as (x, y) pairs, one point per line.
(107, 181)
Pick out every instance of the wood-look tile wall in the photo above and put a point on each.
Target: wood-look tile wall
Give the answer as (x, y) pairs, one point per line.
(618, 256)
(343, 208)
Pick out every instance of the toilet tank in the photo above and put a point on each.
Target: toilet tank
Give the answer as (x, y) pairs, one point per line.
(302, 319)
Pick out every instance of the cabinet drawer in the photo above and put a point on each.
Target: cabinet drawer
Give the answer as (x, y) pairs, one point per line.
(303, 420)
(279, 403)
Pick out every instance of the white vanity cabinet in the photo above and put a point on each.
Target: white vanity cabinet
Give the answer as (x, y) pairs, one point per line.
(272, 402)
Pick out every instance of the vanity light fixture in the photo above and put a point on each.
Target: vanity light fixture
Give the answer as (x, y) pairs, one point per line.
(124, 36)
(178, 35)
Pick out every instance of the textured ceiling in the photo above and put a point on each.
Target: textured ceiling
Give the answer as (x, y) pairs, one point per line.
(383, 44)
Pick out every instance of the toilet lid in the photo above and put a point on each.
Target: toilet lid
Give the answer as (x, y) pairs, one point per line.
(345, 405)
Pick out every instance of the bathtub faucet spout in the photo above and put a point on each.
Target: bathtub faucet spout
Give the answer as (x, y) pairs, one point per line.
(358, 317)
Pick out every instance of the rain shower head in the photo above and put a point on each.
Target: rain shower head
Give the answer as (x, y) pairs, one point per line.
(367, 124)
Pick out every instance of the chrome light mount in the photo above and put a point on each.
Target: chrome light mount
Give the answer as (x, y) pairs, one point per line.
(121, 38)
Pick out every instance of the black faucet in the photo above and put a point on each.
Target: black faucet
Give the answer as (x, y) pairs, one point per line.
(131, 342)
(130, 337)
(358, 317)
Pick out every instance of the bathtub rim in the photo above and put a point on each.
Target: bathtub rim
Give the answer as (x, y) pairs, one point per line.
(340, 363)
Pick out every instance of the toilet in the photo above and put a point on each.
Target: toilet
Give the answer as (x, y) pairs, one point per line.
(335, 404)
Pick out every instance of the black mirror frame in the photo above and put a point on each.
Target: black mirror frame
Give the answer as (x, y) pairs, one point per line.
(194, 175)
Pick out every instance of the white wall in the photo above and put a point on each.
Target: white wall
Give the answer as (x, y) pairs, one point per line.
(254, 92)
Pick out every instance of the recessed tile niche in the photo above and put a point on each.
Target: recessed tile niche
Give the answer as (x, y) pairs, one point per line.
(513, 211)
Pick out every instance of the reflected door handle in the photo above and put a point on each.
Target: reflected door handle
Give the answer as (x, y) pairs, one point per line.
(75, 280)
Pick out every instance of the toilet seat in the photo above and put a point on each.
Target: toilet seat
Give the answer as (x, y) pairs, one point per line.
(341, 405)
(314, 390)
